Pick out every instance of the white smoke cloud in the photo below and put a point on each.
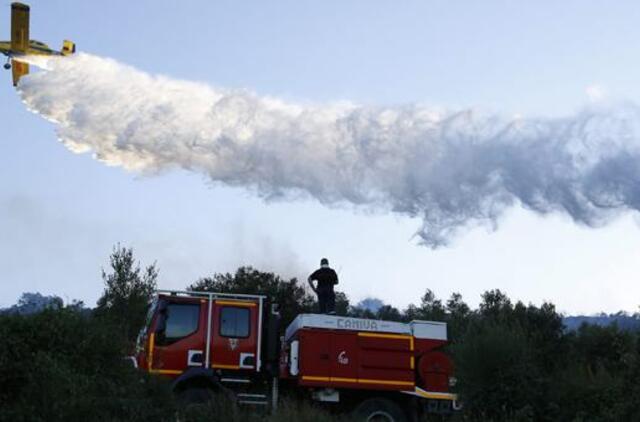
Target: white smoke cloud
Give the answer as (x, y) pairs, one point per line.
(452, 169)
(596, 92)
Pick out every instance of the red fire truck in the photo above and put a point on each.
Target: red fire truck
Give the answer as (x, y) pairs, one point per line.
(231, 343)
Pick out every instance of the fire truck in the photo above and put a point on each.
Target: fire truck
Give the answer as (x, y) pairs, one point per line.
(212, 343)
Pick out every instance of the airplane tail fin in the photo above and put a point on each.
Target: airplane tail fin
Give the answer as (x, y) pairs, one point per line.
(68, 48)
(19, 69)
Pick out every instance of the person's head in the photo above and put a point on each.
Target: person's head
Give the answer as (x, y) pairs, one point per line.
(324, 262)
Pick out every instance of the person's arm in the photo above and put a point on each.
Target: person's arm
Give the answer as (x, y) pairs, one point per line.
(335, 278)
(310, 281)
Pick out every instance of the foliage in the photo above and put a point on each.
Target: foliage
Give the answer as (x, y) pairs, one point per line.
(370, 303)
(389, 313)
(128, 290)
(517, 362)
(496, 371)
(30, 303)
(289, 410)
(60, 365)
(342, 304)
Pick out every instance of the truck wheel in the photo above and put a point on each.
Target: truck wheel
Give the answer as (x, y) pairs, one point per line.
(379, 410)
(195, 395)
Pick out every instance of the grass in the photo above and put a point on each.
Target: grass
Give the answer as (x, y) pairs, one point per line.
(289, 410)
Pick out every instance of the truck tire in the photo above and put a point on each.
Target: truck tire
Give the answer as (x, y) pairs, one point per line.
(379, 410)
(195, 395)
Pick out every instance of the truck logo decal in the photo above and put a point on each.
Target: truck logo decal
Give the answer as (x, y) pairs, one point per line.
(357, 324)
(233, 343)
(342, 358)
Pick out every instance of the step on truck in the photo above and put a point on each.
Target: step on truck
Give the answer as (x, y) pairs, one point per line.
(210, 343)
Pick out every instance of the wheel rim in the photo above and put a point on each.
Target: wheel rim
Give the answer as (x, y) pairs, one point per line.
(380, 416)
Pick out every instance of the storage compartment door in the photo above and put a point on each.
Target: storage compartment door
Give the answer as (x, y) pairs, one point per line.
(315, 351)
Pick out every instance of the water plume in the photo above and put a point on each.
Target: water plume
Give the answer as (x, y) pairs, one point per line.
(452, 169)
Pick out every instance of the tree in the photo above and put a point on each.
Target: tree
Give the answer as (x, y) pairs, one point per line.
(497, 376)
(128, 291)
(358, 312)
(430, 309)
(389, 313)
(371, 304)
(30, 303)
(342, 304)
(458, 315)
(495, 305)
(456, 306)
(366, 308)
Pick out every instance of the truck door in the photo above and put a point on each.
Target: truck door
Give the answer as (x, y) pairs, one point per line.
(178, 338)
(234, 335)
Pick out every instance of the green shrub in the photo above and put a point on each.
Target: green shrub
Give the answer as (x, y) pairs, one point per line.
(497, 377)
(62, 365)
(289, 410)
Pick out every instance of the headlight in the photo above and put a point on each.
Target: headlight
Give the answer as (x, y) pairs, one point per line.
(453, 381)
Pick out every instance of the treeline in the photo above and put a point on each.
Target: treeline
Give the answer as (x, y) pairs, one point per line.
(513, 361)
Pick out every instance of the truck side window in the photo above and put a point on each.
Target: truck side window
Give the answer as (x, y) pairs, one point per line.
(234, 322)
(182, 321)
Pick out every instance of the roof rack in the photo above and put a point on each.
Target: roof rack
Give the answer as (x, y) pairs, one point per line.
(210, 295)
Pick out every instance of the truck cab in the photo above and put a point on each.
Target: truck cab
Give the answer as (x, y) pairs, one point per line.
(201, 330)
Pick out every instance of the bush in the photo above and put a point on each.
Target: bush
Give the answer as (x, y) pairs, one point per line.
(289, 410)
(62, 365)
(496, 374)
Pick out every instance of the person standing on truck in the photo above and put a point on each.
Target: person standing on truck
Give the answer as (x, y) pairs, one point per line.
(326, 278)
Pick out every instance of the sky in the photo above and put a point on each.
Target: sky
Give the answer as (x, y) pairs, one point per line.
(61, 213)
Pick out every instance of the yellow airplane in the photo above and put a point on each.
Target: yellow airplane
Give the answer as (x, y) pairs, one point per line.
(21, 45)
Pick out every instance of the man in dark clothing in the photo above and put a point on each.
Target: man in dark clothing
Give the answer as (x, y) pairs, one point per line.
(326, 278)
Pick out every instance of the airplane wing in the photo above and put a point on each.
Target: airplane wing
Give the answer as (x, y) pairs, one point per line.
(19, 69)
(19, 29)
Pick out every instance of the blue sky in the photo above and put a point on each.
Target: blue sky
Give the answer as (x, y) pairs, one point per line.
(61, 213)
